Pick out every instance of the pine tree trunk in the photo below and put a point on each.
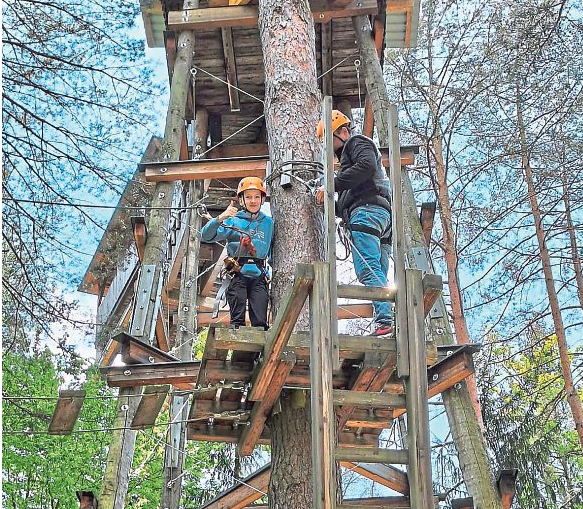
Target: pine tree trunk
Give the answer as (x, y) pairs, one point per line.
(292, 103)
(573, 242)
(572, 396)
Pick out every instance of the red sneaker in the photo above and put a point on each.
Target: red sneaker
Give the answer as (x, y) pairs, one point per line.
(383, 330)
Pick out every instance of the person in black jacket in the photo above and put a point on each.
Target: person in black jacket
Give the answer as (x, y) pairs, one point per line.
(364, 204)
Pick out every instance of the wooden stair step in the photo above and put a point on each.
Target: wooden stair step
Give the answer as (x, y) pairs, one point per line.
(149, 407)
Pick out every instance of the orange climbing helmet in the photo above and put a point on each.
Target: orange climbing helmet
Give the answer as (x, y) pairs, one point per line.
(339, 120)
(251, 183)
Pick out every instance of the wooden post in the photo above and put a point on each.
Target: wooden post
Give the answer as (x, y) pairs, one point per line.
(330, 221)
(419, 474)
(323, 421)
(121, 451)
(187, 326)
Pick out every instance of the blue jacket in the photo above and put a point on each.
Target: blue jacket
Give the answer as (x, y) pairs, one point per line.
(260, 228)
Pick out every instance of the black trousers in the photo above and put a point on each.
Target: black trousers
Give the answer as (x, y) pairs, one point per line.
(253, 289)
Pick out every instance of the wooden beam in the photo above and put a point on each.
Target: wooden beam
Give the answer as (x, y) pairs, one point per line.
(230, 64)
(368, 122)
(135, 351)
(248, 15)
(367, 292)
(369, 400)
(506, 484)
(380, 503)
(261, 409)
(230, 167)
(244, 493)
(387, 475)
(462, 503)
(250, 149)
(110, 352)
(345, 312)
(66, 412)
(150, 405)
(326, 54)
(372, 455)
(288, 312)
(161, 332)
(432, 287)
(399, 5)
(427, 218)
(140, 235)
(152, 374)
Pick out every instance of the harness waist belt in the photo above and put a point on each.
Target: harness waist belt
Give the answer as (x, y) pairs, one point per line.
(370, 231)
(260, 262)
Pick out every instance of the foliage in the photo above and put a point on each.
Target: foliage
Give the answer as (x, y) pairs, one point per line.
(528, 423)
(40, 470)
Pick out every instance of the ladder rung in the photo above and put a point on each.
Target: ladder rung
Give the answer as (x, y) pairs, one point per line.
(366, 292)
(372, 455)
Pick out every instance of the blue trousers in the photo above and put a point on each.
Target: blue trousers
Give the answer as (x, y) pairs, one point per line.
(370, 256)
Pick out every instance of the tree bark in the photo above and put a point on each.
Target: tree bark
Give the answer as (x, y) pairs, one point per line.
(461, 415)
(121, 452)
(572, 396)
(292, 102)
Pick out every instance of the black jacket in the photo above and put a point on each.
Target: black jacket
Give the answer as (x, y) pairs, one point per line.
(361, 179)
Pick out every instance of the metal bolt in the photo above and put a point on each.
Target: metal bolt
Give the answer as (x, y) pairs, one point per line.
(138, 327)
(142, 307)
(161, 195)
(185, 308)
(439, 331)
(457, 386)
(321, 15)
(125, 407)
(449, 352)
(127, 372)
(435, 376)
(163, 170)
(151, 360)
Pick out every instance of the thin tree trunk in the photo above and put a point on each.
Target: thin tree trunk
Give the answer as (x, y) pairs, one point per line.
(452, 260)
(572, 395)
(121, 451)
(573, 242)
(462, 418)
(292, 102)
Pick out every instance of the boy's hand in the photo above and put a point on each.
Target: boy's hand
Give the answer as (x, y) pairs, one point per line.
(230, 211)
(320, 195)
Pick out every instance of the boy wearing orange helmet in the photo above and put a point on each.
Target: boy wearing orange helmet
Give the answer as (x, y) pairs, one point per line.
(364, 204)
(248, 233)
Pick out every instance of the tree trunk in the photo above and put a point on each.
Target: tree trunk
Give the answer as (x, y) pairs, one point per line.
(121, 451)
(572, 395)
(573, 242)
(292, 102)
(461, 416)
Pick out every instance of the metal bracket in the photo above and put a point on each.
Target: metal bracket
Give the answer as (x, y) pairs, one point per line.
(285, 180)
(143, 294)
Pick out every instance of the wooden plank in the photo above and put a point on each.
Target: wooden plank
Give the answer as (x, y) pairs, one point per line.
(261, 409)
(243, 493)
(150, 405)
(387, 475)
(369, 400)
(382, 503)
(368, 122)
(432, 288)
(326, 52)
(289, 310)
(110, 352)
(139, 227)
(230, 65)
(151, 374)
(135, 351)
(394, 456)
(399, 5)
(66, 412)
(247, 15)
(367, 292)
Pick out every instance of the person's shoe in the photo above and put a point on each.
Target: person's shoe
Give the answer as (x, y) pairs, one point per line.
(383, 329)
